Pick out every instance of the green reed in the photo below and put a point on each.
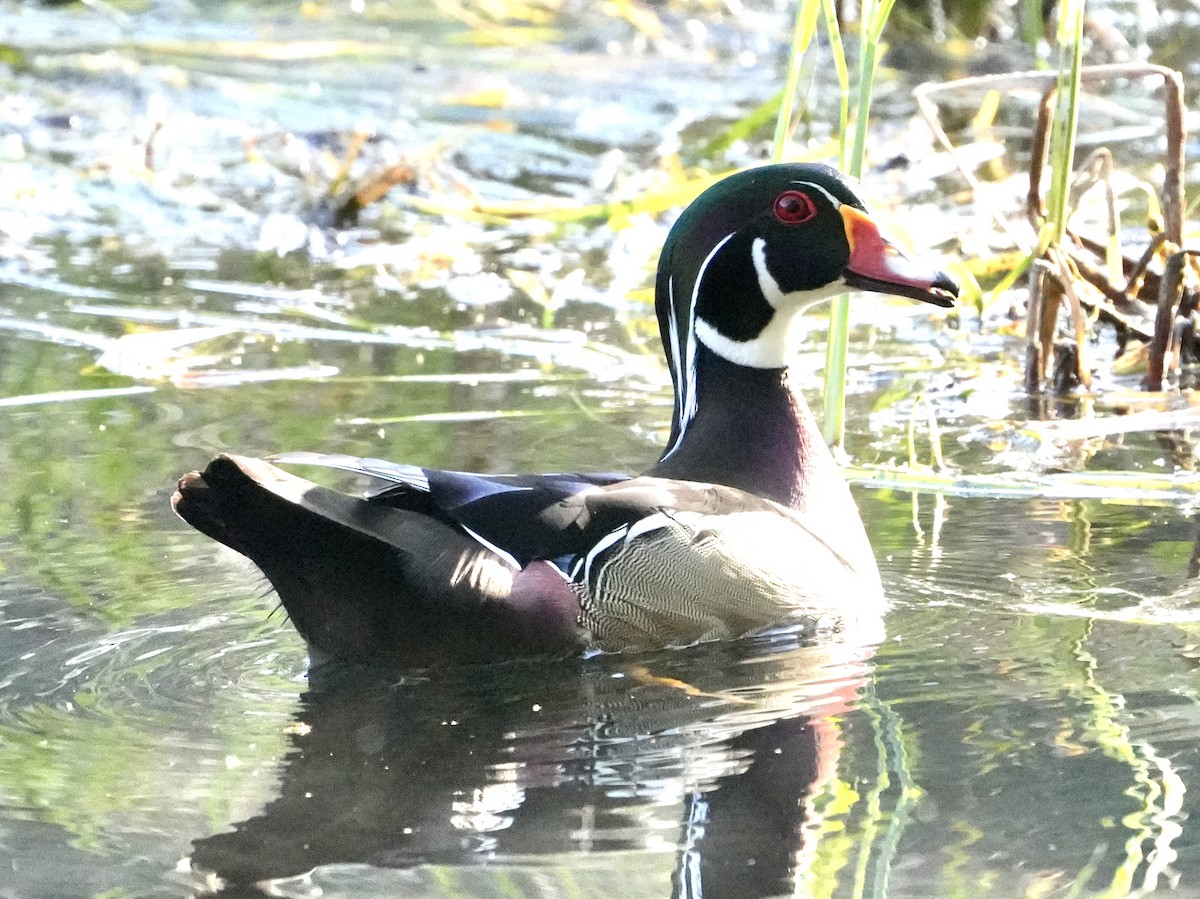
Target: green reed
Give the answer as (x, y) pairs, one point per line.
(874, 16)
(1066, 117)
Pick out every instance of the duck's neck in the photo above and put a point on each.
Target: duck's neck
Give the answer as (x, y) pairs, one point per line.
(752, 430)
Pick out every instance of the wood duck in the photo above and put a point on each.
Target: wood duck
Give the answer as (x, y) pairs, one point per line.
(743, 523)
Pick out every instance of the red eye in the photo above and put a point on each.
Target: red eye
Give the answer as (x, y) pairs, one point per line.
(793, 207)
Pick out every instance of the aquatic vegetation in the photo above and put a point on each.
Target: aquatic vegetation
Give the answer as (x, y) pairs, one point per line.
(426, 231)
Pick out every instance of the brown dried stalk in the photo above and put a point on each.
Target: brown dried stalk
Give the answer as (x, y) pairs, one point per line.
(1053, 275)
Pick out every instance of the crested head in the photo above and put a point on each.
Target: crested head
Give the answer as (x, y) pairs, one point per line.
(752, 251)
(758, 246)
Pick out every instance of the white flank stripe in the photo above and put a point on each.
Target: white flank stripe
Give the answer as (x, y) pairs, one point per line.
(646, 525)
(503, 554)
(607, 541)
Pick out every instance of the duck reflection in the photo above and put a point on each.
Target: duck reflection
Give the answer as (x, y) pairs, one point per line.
(706, 758)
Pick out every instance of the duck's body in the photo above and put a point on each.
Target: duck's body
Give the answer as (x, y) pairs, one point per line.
(744, 522)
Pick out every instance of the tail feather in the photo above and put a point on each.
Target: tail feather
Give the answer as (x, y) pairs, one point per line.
(364, 580)
(392, 472)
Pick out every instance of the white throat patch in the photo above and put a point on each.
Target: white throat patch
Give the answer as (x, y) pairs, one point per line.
(776, 344)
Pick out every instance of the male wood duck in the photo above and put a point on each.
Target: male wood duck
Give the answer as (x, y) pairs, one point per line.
(743, 523)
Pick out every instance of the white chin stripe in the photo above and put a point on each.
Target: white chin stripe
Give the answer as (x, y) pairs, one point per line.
(775, 344)
(795, 301)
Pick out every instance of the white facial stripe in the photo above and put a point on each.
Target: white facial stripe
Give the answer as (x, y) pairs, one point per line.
(676, 357)
(691, 406)
(834, 201)
(685, 398)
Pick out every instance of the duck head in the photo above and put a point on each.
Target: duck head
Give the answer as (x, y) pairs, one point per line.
(752, 251)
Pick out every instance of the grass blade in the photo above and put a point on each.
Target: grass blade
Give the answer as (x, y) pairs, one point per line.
(802, 35)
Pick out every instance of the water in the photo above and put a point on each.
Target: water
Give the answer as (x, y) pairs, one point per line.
(1027, 725)
(1030, 719)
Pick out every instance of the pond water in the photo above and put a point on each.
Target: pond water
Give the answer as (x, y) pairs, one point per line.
(1027, 726)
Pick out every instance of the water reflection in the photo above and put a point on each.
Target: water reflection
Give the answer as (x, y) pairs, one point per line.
(702, 764)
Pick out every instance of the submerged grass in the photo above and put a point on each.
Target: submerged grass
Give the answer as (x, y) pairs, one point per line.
(1141, 488)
